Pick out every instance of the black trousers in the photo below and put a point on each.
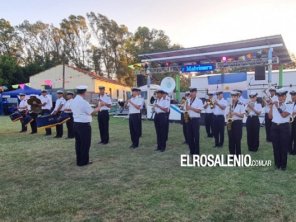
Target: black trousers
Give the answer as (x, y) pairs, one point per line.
(69, 124)
(219, 126)
(24, 128)
(253, 131)
(280, 135)
(209, 124)
(267, 127)
(46, 112)
(292, 148)
(103, 120)
(185, 126)
(59, 130)
(193, 135)
(135, 126)
(82, 133)
(34, 123)
(160, 121)
(235, 137)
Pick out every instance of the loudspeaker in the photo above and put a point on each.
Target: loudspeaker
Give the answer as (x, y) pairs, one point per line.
(141, 80)
(260, 73)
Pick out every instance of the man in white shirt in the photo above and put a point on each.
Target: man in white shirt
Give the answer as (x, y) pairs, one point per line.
(67, 109)
(292, 149)
(268, 122)
(194, 108)
(104, 102)
(46, 106)
(241, 99)
(220, 105)
(235, 126)
(82, 112)
(208, 106)
(59, 107)
(134, 106)
(23, 109)
(161, 108)
(253, 111)
(280, 113)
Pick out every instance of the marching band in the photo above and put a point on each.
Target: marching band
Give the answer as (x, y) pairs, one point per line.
(280, 125)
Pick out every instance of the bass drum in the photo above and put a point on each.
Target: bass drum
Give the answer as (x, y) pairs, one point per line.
(63, 117)
(27, 120)
(47, 121)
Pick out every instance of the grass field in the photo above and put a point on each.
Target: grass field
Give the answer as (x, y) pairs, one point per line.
(39, 180)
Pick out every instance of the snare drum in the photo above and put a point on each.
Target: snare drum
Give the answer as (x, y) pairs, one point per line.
(16, 116)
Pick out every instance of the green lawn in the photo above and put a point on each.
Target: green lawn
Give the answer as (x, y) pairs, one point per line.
(39, 180)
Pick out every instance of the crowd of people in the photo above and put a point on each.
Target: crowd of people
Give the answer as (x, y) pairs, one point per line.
(279, 122)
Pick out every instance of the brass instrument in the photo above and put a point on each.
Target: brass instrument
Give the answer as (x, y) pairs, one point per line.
(183, 107)
(229, 118)
(249, 107)
(210, 102)
(35, 104)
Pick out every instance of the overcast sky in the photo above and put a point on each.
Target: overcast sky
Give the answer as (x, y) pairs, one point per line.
(187, 22)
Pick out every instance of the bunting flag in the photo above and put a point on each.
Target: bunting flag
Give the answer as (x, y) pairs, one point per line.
(136, 66)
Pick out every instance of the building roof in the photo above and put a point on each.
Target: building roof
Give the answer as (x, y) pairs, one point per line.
(96, 76)
(208, 52)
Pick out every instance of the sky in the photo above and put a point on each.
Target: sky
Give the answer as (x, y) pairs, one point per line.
(187, 22)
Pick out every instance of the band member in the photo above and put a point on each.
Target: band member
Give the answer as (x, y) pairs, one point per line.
(208, 106)
(241, 99)
(280, 113)
(33, 114)
(184, 116)
(104, 102)
(82, 112)
(219, 119)
(161, 108)
(194, 108)
(235, 124)
(292, 149)
(46, 107)
(59, 105)
(67, 109)
(253, 111)
(23, 109)
(268, 121)
(134, 104)
(168, 99)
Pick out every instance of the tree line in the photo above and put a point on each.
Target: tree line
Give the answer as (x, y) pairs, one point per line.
(92, 42)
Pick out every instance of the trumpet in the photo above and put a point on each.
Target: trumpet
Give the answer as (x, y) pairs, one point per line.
(211, 103)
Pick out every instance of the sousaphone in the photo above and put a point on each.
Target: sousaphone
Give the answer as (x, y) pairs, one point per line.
(35, 104)
(168, 84)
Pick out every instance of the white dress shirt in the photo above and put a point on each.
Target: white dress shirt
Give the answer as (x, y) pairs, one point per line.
(137, 101)
(142, 101)
(68, 105)
(106, 99)
(195, 103)
(47, 100)
(23, 105)
(59, 103)
(257, 107)
(242, 100)
(81, 110)
(217, 110)
(164, 103)
(238, 108)
(276, 116)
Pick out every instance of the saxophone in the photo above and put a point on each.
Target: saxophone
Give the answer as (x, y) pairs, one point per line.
(229, 118)
(210, 102)
(186, 114)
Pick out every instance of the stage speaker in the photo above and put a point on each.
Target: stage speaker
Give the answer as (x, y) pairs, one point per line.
(260, 73)
(141, 80)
